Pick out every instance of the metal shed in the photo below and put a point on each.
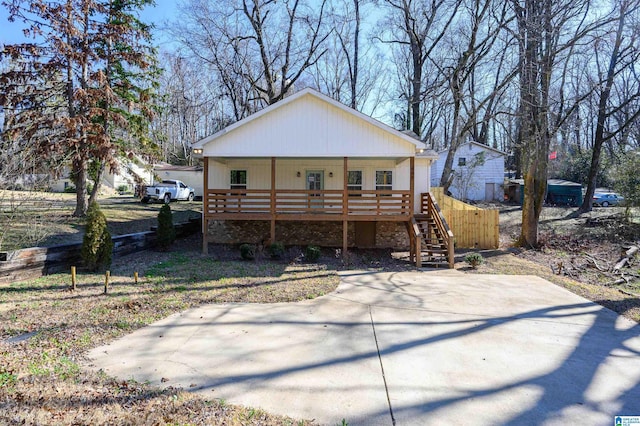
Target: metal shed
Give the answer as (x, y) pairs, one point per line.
(559, 192)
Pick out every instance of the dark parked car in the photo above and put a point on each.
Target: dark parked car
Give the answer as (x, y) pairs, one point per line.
(606, 199)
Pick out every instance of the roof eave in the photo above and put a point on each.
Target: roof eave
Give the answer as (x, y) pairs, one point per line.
(308, 91)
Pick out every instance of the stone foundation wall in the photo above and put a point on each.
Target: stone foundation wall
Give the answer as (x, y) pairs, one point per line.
(238, 231)
(324, 234)
(392, 235)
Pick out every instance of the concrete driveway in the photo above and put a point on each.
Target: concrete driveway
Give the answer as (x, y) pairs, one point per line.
(410, 348)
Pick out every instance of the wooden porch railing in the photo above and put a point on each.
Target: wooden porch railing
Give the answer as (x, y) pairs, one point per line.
(259, 202)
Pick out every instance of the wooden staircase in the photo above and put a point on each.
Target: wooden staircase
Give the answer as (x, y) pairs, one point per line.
(431, 239)
(433, 245)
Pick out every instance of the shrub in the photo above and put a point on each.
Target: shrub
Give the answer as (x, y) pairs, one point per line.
(97, 246)
(166, 233)
(70, 189)
(276, 250)
(312, 253)
(247, 251)
(474, 259)
(123, 189)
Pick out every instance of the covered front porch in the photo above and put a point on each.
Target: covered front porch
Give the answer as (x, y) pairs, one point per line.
(364, 190)
(312, 189)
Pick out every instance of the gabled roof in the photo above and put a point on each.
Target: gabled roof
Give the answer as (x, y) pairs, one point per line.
(357, 121)
(478, 144)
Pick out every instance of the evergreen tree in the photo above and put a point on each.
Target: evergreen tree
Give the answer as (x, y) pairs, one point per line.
(97, 245)
(166, 233)
(83, 87)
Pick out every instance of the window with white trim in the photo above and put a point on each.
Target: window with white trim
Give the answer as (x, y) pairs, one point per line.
(238, 179)
(384, 180)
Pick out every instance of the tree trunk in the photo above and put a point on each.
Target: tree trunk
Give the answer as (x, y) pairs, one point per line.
(356, 59)
(80, 181)
(587, 203)
(535, 71)
(97, 183)
(447, 171)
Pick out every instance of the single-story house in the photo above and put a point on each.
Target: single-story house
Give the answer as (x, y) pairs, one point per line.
(478, 172)
(131, 172)
(310, 170)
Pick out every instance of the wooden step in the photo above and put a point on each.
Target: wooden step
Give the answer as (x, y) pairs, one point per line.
(433, 250)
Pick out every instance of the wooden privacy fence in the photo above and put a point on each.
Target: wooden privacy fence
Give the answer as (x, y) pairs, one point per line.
(472, 226)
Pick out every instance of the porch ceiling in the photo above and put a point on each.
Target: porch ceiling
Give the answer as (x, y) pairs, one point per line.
(223, 160)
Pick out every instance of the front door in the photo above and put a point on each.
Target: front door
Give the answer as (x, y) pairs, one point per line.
(315, 182)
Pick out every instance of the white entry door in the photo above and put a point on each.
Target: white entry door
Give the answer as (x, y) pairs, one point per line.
(315, 182)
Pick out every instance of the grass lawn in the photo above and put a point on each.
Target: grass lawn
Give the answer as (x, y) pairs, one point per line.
(41, 381)
(29, 219)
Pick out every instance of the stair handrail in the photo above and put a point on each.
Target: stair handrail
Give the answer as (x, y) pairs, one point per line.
(416, 241)
(433, 209)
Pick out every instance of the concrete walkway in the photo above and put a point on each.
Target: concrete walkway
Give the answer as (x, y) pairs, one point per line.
(410, 348)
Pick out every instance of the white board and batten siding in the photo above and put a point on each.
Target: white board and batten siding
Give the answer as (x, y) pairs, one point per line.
(309, 125)
(486, 181)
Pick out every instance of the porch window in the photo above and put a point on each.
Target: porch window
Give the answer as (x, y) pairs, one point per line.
(384, 180)
(354, 182)
(238, 179)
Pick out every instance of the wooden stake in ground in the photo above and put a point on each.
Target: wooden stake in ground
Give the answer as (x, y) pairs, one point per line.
(73, 278)
(135, 277)
(106, 281)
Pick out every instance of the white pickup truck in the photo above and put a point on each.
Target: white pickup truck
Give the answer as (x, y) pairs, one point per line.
(168, 190)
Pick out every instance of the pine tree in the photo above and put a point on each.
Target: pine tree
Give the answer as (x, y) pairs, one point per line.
(83, 89)
(166, 233)
(97, 245)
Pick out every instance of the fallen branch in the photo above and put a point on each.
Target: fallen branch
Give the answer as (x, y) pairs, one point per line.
(625, 260)
(622, 280)
(595, 263)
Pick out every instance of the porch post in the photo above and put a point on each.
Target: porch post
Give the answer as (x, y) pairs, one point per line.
(345, 209)
(205, 207)
(412, 184)
(273, 200)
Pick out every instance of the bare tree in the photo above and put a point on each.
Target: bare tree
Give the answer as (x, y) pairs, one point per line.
(546, 32)
(624, 54)
(264, 45)
(351, 69)
(190, 108)
(482, 21)
(418, 27)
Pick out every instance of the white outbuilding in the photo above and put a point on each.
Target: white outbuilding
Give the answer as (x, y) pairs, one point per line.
(478, 172)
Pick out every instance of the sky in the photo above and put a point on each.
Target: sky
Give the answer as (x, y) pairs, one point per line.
(11, 32)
